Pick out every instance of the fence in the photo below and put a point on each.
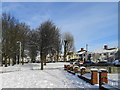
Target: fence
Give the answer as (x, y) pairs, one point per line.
(102, 79)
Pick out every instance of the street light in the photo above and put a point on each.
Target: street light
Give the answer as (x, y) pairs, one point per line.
(19, 49)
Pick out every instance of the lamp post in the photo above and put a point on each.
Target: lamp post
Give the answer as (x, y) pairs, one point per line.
(19, 50)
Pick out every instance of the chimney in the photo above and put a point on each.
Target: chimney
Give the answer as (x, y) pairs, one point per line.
(105, 47)
(82, 49)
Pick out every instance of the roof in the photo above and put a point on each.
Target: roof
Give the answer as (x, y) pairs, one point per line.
(105, 50)
(81, 52)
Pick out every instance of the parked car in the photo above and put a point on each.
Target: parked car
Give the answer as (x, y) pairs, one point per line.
(37, 61)
(72, 60)
(116, 62)
(103, 62)
(88, 62)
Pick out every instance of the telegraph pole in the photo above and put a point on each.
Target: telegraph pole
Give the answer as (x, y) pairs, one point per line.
(86, 52)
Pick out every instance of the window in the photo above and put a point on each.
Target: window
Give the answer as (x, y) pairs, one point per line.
(111, 53)
(105, 54)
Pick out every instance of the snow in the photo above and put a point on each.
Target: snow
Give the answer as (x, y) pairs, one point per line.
(100, 70)
(113, 77)
(82, 67)
(82, 52)
(30, 76)
(87, 76)
(94, 69)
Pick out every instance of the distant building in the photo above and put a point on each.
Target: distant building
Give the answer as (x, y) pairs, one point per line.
(71, 55)
(105, 54)
(83, 55)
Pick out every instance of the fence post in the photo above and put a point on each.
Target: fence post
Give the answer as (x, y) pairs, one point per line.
(103, 77)
(94, 76)
(82, 70)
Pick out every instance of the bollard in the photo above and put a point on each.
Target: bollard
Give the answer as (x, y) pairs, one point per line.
(82, 70)
(68, 67)
(65, 66)
(71, 68)
(103, 77)
(76, 69)
(94, 76)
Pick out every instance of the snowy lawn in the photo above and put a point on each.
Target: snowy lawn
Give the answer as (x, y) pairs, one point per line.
(114, 77)
(53, 76)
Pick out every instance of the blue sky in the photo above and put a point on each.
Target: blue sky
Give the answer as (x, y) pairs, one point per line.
(90, 23)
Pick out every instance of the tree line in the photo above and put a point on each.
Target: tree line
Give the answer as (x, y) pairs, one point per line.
(45, 39)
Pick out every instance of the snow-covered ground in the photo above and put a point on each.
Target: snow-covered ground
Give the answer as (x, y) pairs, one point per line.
(30, 76)
(114, 77)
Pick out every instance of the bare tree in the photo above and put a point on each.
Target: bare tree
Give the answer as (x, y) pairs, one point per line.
(12, 31)
(33, 44)
(9, 33)
(49, 39)
(23, 30)
(68, 42)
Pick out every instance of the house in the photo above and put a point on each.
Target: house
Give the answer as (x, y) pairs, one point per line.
(105, 54)
(71, 55)
(83, 55)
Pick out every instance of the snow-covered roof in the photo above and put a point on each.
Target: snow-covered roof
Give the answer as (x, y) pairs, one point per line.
(82, 67)
(105, 50)
(82, 52)
(94, 69)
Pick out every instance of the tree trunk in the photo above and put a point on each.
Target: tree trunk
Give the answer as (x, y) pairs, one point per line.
(52, 58)
(57, 57)
(18, 59)
(44, 60)
(5, 61)
(2, 60)
(23, 54)
(41, 61)
(22, 61)
(31, 60)
(9, 61)
(13, 62)
(65, 51)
